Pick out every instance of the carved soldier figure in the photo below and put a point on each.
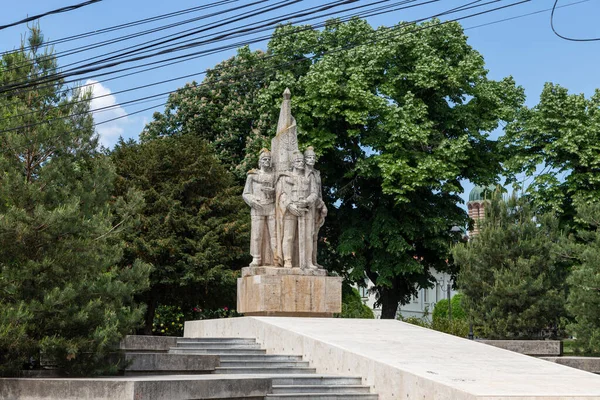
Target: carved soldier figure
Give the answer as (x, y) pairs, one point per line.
(297, 195)
(259, 194)
(319, 210)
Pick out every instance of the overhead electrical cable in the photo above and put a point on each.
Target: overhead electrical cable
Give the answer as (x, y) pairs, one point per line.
(567, 37)
(524, 15)
(103, 43)
(80, 71)
(56, 11)
(294, 61)
(236, 45)
(169, 62)
(415, 30)
(128, 24)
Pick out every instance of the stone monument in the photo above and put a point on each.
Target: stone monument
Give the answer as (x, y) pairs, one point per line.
(287, 210)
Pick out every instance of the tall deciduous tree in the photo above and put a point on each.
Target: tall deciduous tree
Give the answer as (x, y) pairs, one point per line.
(398, 115)
(194, 225)
(61, 292)
(511, 276)
(560, 136)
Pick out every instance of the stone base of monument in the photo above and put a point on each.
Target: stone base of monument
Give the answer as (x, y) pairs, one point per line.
(288, 292)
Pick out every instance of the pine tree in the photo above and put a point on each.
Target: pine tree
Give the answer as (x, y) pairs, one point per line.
(512, 278)
(62, 298)
(584, 281)
(194, 225)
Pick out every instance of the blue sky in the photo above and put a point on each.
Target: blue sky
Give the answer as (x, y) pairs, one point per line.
(524, 47)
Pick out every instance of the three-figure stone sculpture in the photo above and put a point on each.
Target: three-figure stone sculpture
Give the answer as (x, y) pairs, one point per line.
(285, 197)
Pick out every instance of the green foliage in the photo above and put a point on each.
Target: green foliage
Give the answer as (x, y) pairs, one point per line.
(584, 281)
(169, 320)
(62, 294)
(456, 327)
(440, 311)
(512, 279)
(352, 305)
(397, 122)
(560, 134)
(194, 225)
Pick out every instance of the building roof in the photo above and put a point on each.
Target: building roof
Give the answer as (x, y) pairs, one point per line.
(482, 192)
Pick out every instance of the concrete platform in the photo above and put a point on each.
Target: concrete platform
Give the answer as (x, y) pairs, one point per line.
(538, 348)
(589, 364)
(161, 387)
(403, 361)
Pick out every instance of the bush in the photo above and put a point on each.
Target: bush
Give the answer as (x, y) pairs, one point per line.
(352, 305)
(440, 311)
(169, 320)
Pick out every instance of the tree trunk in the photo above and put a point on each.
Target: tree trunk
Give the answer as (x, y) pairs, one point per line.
(389, 303)
(151, 304)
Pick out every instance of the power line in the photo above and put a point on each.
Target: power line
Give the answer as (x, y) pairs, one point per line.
(236, 45)
(298, 60)
(103, 43)
(566, 37)
(128, 24)
(81, 70)
(25, 84)
(56, 11)
(343, 48)
(524, 15)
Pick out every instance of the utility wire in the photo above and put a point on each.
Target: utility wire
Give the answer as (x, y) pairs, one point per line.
(566, 37)
(92, 46)
(92, 68)
(101, 67)
(294, 32)
(128, 24)
(295, 61)
(524, 15)
(325, 53)
(56, 11)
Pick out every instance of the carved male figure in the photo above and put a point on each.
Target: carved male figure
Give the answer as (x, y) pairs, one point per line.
(319, 210)
(259, 194)
(297, 196)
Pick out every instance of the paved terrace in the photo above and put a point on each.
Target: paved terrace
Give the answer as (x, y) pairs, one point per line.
(403, 361)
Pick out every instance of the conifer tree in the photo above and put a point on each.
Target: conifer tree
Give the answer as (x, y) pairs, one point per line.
(512, 278)
(62, 298)
(194, 225)
(584, 280)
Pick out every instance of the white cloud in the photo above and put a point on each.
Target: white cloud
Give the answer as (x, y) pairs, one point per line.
(101, 97)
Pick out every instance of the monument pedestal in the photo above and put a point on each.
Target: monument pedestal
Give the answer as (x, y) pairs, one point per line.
(288, 292)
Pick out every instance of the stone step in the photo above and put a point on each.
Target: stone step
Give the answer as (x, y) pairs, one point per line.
(258, 357)
(262, 364)
(356, 389)
(322, 396)
(192, 350)
(265, 370)
(217, 340)
(216, 345)
(317, 380)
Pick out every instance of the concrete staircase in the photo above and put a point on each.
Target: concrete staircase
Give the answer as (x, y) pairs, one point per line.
(293, 378)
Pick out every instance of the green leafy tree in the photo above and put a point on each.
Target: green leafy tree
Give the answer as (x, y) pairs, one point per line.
(511, 277)
(194, 225)
(61, 292)
(584, 280)
(398, 116)
(556, 144)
